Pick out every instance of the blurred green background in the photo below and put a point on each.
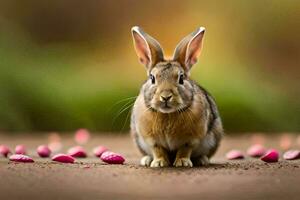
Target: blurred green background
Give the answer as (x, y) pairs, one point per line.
(71, 64)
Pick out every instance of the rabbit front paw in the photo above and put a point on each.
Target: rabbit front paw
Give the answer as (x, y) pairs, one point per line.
(204, 161)
(201, 161)
(146, 161)
(159, 162)
(183, 162)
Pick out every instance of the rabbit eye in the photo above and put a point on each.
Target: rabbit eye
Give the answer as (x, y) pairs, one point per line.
(152, 78)
(181, 79)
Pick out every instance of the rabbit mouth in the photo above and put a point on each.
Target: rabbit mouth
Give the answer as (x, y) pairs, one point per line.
(165, 105)
(168, 108)
(164, 108)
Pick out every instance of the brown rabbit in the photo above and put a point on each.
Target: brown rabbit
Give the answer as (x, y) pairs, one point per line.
(174, 120)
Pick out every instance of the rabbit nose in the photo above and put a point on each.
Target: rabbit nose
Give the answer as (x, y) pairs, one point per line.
(165, 98)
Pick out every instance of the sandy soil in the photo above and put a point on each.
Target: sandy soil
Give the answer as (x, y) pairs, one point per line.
(92, 179)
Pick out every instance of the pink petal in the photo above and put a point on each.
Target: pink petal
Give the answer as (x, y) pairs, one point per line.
(256, 150)
(20, 158)
(112, 158)
(291, 155)
(77, 151)
(98, 151)
(271, 155)
(54, 137)
(55, 146)
(63, 158)
(285, 142)
(4, 150)
(234, 154)
(20, 149)
(82, 136)
(43, 151)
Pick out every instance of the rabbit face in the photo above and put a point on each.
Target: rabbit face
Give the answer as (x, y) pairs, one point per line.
(167, 90)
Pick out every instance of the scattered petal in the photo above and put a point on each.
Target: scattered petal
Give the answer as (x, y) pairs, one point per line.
(21, 158)
(43, 151)
(291, 155)
(285, 142)
(234, 154)
(20, 149)
(55, 146)
(99, 150)
(271, 155)
(112, 158)
(54, 137)
(77, 151)
(63, 158)
(82, 136)
(4, 150)
(256, 150)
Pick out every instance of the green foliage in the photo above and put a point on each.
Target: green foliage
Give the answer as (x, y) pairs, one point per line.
(63, 69)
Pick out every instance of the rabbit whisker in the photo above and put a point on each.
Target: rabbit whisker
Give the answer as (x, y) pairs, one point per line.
(128, 105)
(129, 99)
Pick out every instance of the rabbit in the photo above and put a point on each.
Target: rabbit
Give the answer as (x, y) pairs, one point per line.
(174, 121)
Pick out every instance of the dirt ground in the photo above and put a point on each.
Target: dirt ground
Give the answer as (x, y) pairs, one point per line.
(90, 178)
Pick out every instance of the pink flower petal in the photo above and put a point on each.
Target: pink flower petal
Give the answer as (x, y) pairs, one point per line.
(54, 137)
(77, 151)
(43, 151)
(20, 158)
(55, 146)
(4, 150)
(82, 136)
(63, 158)
(256, 150)
(112, 158)
(285, 142)
(271, 155)
(291, 155)
(54, 143)
(234, 154)
(99, 150)
(20, 149)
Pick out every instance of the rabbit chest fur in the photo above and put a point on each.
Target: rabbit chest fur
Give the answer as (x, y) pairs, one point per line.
(169, 130)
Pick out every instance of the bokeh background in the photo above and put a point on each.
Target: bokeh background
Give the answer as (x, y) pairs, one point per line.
(66, 64)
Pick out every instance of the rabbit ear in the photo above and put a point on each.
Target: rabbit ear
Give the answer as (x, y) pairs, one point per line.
(189, 48)
(147, 48)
